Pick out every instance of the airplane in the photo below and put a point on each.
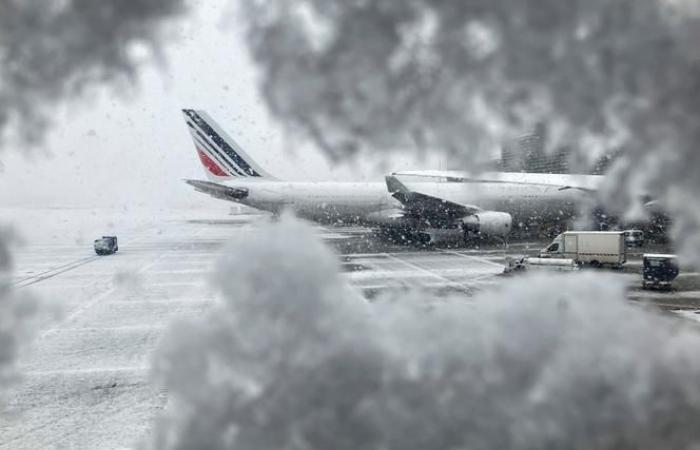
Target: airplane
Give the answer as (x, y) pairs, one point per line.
(430, 206)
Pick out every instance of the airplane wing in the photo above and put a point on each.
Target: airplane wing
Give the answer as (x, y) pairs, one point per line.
(578, 188)
(431, 211)
(217, 190)
(417, 204)
(583, 183)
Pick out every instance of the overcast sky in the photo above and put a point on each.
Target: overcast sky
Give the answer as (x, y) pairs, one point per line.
(122, 147)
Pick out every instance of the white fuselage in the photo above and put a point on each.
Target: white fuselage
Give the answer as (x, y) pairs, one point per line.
(319, 201)
(524, 196)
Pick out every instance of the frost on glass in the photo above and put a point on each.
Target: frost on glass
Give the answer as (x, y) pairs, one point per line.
(51, 52)
(290, 359)
(463, 77)
(17, 311)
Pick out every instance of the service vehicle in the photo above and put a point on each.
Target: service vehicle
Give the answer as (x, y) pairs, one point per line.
(106, 245)
(552, 264)
(523, 263)
(596, 248)
(659, 270)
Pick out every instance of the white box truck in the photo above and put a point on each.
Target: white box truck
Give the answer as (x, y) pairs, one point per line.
(596, 248)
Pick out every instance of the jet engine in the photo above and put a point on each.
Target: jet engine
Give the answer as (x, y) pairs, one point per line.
(490, 223)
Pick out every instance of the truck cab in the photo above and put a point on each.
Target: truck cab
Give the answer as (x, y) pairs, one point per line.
(634, 238)
(554, 249)
(659, 270)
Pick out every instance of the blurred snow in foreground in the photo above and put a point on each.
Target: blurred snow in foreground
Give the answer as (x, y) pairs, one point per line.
(17, 309)
(291, 359)
(371, 78)
(54, 53)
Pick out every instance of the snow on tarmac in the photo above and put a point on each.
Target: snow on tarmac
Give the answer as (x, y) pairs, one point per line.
(86, 380)
(86, 377)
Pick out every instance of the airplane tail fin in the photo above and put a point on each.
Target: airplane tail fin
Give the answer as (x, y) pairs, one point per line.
(220, 155)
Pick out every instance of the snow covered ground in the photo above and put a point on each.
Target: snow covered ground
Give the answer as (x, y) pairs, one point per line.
(86, 376)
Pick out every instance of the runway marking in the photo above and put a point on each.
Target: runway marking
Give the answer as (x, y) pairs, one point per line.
(91, 303)
(185, 301)
(428, 272)
(33, 279)
(61, 285)
(117, 271)
(178, 272)
(364, 275)
(80, 310)
(476, 258)
(107, 329)
(169, 284)
(474, 283)
(89, 370)
(200, 255)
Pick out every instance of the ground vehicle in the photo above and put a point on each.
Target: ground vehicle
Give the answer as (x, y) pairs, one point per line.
(521, 264)
(551, 264)
(106, 245)
(589, 247)
(659, 270)
(634, 238)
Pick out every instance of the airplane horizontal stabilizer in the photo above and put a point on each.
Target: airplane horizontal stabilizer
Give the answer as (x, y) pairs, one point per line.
(217, 190)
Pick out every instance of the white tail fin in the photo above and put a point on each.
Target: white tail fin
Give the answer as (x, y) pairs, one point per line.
(221, 156)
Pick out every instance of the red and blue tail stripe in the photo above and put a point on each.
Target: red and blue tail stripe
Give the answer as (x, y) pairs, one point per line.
(218, 152)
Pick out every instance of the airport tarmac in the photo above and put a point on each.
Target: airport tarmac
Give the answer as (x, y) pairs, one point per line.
(86, 381)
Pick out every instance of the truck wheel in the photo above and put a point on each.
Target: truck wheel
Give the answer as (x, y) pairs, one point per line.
(596, 264)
